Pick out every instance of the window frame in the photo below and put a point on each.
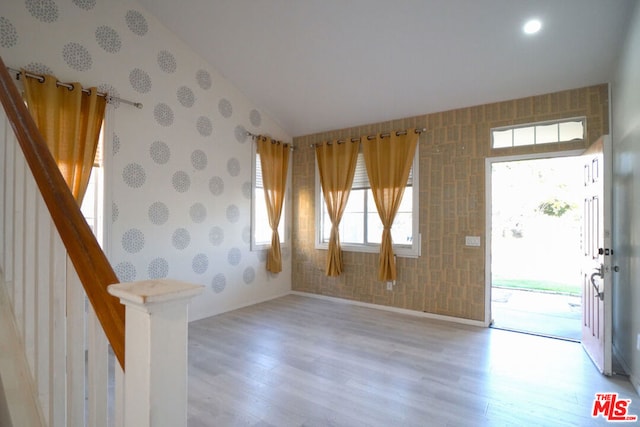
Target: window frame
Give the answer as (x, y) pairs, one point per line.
(285, 217)
(405, 251)
(533, 126)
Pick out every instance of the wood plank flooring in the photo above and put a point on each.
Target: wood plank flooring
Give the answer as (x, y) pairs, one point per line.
(301, 361)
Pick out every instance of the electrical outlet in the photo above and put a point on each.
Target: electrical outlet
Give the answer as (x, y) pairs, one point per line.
(389, 286)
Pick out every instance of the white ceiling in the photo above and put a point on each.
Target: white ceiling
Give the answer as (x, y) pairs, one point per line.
(317, 65)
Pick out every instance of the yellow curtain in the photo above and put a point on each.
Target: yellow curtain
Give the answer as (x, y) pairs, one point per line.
(388, 162)
(274, 160)
(70, 122)
(337, 166)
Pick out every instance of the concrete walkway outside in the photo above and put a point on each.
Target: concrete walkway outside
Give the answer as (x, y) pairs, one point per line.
(535, 312)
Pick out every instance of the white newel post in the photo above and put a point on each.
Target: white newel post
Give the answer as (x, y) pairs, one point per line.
(155, 381)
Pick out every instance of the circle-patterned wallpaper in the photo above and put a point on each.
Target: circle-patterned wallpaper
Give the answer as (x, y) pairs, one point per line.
(136, 22)
(181, 181)
(200, 264)
(163, 114)
(216, 186)
(160, 141)
(255, 118)
(8, 33)
(116, 144)
(77, 56)
(198, 212)
(112, 92)
(233, 213)
(218, 283)
(133, 240)
(158, 268)
(199, 159)
(125, 271)
(160, 152)
(246, 190)
(249, 275)
(108, 39)
(225, 108)
(85, 4)
(115, 212)
(134, 175)
(234, 256)
(38, 68)
(186, 96)
(180, 238)
(140, 80)
(158, 213)
(167, 62)
(216, 236)
(204, 79)
(233, 166)
(43, 10)
(204, 126)
(241, 134)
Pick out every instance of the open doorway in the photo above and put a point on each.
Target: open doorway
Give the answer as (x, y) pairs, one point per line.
(536, 217)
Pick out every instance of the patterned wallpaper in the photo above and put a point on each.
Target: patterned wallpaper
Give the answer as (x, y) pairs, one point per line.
(449, 278)
(180, 168)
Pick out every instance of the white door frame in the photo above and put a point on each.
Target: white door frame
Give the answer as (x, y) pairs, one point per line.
(489, 161)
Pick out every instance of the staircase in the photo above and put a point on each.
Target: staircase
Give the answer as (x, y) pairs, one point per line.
(62, 312)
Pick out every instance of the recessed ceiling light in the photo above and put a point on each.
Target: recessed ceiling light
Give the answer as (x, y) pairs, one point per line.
(532, 26)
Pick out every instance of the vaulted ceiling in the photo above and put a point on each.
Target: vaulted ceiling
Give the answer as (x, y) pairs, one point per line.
(317, 65)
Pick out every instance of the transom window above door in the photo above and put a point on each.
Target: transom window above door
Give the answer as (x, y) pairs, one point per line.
(547, 132)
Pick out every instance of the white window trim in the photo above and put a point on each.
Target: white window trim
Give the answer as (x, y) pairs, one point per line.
(403, 251)
(286, 213)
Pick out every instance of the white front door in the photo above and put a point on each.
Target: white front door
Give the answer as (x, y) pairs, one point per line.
(596, 244)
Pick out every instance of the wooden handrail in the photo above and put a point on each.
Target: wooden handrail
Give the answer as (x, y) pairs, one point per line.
(93, 268)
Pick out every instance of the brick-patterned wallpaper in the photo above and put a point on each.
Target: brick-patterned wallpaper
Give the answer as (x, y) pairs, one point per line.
(449, 278)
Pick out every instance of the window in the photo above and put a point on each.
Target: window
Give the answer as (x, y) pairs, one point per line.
(261, 231)
(93, 202)
(548, 132)
(361, 228)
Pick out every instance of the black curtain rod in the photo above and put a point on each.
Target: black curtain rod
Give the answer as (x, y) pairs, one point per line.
(70, 86)
(273, 141)
(369, 137)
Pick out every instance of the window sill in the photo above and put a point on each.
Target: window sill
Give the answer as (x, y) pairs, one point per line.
(399, 251)
(255, 247)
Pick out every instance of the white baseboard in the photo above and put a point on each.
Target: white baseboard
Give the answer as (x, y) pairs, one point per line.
(243, 305)
(633, 378)
(423, 314)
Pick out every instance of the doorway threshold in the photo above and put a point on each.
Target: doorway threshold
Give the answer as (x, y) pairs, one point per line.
(536, 334)
(537, 313)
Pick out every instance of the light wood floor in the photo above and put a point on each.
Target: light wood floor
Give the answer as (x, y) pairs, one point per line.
(300, 361)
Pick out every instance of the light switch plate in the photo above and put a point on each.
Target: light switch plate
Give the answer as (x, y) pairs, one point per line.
(472, 240)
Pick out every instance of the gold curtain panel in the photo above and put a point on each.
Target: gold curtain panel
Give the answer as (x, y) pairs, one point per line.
(337, 166)
(274, 160)
(70, 122)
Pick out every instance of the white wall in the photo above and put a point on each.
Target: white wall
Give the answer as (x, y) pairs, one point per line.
(626, 201)
(180, 168)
